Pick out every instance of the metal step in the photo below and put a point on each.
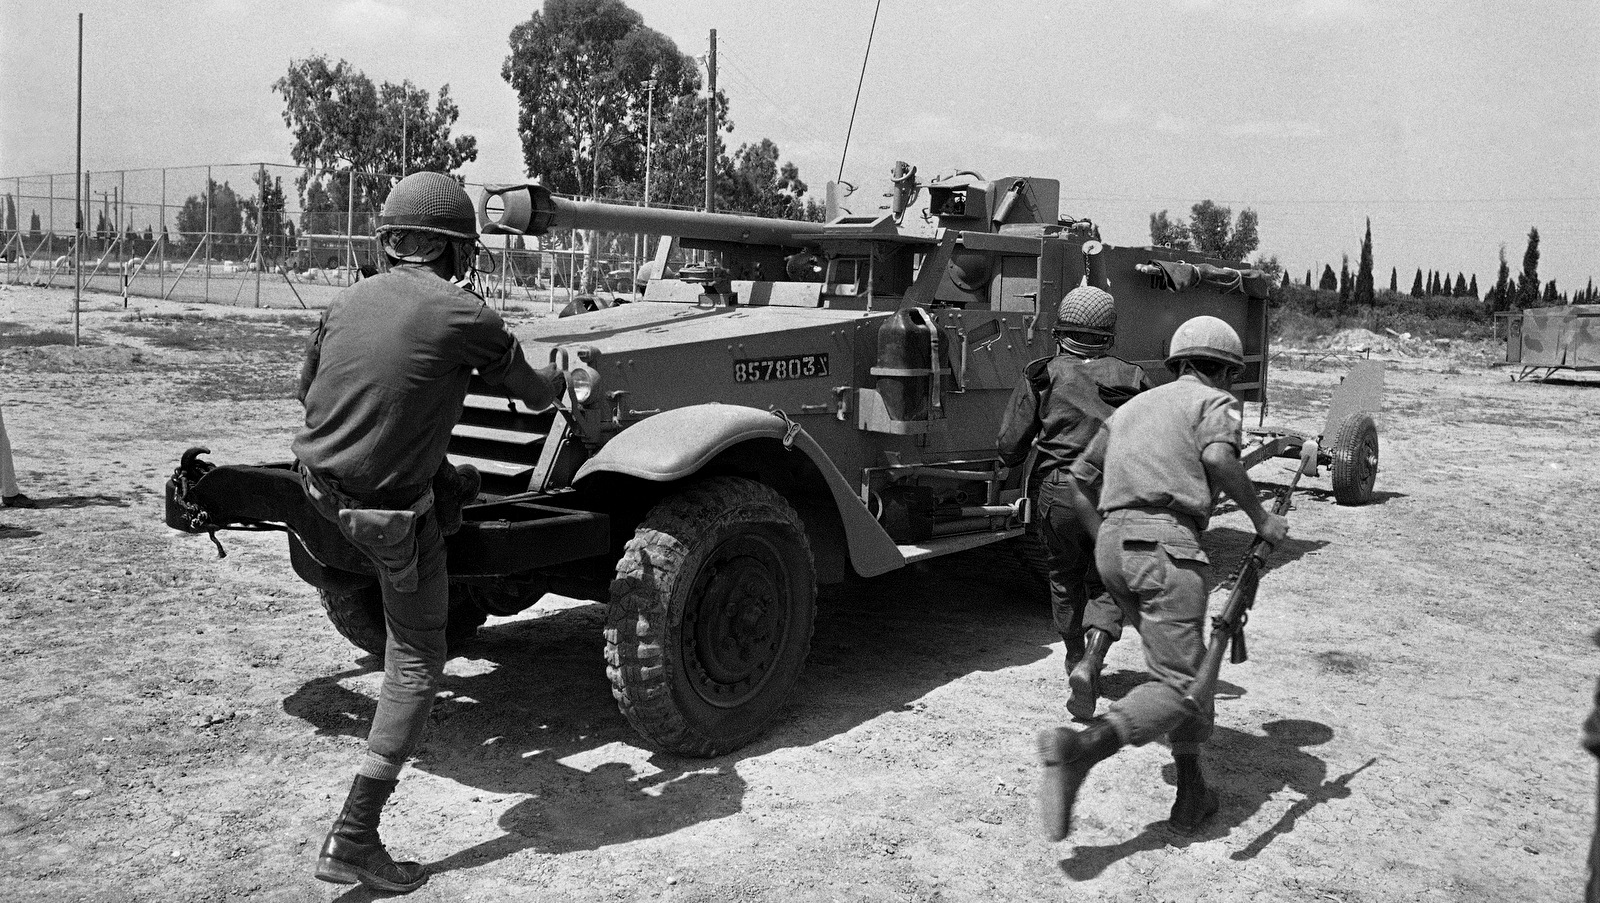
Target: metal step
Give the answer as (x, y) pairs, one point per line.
(493, 434)
(495, 468)
(945, 545)
(497, 403)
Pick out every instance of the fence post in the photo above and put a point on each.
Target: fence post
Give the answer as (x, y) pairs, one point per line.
(161, 264)
(205, 240)
(261, 223)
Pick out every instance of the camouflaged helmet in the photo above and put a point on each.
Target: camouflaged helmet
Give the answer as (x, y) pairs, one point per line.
(1086, 321)
(429, 202)
(1205, 338)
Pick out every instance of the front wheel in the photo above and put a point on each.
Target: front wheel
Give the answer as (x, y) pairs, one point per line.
(358, 616)
(710, 617)
(1355, 460)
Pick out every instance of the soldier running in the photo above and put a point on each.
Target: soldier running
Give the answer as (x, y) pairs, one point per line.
(1058, 407)
(383, 383)
(1163, 455)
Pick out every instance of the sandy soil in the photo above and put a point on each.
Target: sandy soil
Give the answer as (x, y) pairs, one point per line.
(182, 728)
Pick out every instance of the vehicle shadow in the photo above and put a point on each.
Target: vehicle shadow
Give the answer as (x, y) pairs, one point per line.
(7, 531)
(527, 709)
(1247, 770)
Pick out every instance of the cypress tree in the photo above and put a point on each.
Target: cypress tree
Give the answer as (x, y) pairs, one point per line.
(1308, 278)
(1472, 289)
(1329, 282)
(1502, 284)
(1460, 291)
(1551, 298)
(1363, 289)
(1346, 285)
(1528, 285)
(1416, 285)
(1394, 280)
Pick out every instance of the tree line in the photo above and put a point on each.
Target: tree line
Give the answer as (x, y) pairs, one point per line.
(1211, 230)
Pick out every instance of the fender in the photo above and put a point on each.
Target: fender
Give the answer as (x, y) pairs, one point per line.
(676, 444)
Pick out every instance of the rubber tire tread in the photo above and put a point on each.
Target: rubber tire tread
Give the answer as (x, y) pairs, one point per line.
(358, 617)
(1348, 488)
(640, 656)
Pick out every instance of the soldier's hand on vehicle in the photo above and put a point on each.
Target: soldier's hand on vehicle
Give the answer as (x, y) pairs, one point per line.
(1274, 528)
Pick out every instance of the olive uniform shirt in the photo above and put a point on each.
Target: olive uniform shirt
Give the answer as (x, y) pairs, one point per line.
(1062, 401)
(1148, 454)
(385, 377)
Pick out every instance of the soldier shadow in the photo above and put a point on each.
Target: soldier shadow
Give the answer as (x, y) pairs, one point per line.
(1247, 770)
(526, 710)
(80, 501)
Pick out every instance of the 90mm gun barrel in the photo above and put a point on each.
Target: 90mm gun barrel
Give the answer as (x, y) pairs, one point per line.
(530, 209)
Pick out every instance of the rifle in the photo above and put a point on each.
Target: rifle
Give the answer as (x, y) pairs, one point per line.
(1227, 628)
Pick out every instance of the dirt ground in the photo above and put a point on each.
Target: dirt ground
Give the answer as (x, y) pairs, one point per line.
(182, 728)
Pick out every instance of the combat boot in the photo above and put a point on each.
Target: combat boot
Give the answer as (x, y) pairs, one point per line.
(1084, 680)
(454, 487)
(1067, 756)
(353, 852)
(1196, 802)
(1074, 649)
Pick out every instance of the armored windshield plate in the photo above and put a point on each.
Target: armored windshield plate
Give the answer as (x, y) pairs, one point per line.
(794, 366)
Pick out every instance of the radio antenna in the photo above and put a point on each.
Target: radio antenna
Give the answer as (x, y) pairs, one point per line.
(864, 57)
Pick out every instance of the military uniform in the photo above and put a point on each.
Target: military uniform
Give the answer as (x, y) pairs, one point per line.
(383, 383)
(1057, 408)
(1157, 500)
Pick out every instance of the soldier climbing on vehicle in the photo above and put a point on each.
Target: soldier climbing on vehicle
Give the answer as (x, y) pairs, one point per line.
(383, 383)
(1057, 408)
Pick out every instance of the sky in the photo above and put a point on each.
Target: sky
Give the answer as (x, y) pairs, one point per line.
(1454, 125)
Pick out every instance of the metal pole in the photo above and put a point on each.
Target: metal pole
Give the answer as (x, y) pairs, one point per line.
(161, 264)
(51, 245)
(122, 194)
(405, 120)
(649, 135)
(261, 224)
(350, 223)
(711, 123)
(77, 242)
(206, 239)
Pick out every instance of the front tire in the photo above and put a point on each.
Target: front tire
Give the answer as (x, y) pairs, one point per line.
(358, 616)
(711, 616)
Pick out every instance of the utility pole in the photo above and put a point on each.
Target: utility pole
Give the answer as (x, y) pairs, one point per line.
(649, 135)
(711, 122)
(77, 241)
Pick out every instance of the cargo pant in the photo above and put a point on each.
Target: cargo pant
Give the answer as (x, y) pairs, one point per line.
(408, 550)
(1152, 564)
(1078, 598)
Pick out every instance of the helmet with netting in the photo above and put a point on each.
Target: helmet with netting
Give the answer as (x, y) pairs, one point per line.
(429, 202)
(1206, 338)
(1086, 321)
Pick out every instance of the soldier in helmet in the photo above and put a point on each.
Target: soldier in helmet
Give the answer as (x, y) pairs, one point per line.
(1159, 461)
(1058, 407)
(383, 383)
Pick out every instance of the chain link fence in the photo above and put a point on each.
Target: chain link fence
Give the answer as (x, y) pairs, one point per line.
(247, 235)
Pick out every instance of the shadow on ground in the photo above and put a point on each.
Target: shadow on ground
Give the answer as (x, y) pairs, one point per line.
(1247, 770)
(80, 501)
(536, 719)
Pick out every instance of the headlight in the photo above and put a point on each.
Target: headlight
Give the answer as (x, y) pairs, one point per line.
(581, 383)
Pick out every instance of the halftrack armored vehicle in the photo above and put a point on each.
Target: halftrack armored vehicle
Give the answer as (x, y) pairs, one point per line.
(812, 403)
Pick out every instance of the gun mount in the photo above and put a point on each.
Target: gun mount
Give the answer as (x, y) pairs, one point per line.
(812, 400)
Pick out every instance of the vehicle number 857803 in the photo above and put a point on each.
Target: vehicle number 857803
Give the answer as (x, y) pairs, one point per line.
(796, 366)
